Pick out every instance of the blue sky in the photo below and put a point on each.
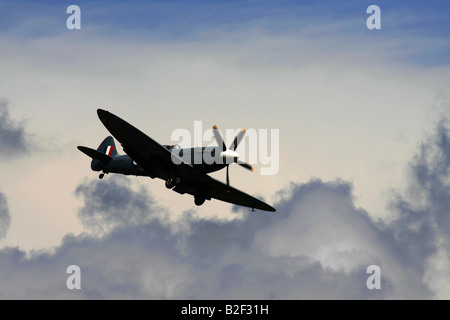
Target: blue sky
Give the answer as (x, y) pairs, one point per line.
(357, 112)
(424, 21)
(186, 17)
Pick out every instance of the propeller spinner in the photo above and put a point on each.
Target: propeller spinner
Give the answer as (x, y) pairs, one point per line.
(230, 155)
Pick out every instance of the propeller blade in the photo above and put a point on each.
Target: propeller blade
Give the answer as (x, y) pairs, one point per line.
(245, 165)
(218, 138)
(228, 176)
(237, 140)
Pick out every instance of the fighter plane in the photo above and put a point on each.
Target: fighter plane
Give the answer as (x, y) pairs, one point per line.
(178, 167)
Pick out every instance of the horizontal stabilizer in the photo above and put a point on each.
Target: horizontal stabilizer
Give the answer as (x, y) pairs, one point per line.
(94, 154)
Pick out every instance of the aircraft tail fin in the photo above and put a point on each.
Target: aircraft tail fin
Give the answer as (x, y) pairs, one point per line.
(108, 147)
(104, 153)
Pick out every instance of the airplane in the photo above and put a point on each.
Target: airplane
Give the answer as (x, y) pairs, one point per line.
(178, 167)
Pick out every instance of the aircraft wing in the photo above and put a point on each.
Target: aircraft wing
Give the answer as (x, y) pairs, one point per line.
(145, 151)
(158, 160)
(218, 190)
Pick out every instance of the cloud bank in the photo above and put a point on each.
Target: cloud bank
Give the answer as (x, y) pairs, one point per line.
(317, 245)
(14, 141)
(5, 217)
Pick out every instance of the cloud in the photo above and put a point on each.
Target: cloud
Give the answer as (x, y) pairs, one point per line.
(5, 217)
(424, 220)
(14, 141)
(317, 245)
(114, 204)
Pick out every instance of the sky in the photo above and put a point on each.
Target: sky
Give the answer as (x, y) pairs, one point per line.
(363, 157)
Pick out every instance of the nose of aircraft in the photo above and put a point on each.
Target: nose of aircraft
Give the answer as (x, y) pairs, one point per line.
(229, 155)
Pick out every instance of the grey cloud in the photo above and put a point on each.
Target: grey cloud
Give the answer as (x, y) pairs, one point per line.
(5, 217)
(112, 203)
(422, 228)
(14, 141)
(288, 255)
(317, 245)
(424, 208)
(431, 173)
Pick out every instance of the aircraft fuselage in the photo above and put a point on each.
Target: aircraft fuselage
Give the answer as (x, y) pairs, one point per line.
(204, 159)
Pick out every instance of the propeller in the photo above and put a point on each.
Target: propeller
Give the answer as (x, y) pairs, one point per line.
(230, 155)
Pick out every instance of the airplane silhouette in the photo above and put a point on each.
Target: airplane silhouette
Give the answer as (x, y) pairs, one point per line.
(177, 166)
